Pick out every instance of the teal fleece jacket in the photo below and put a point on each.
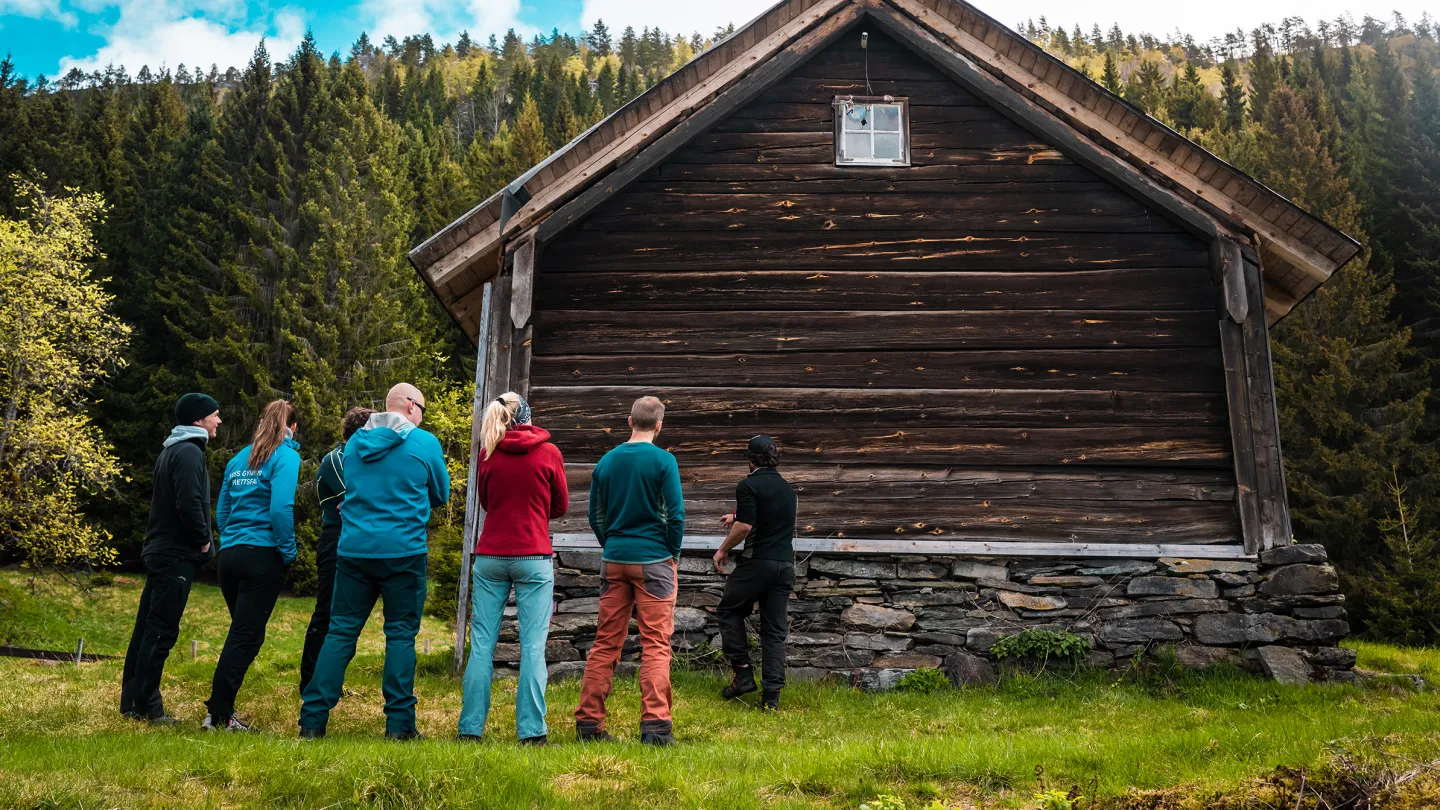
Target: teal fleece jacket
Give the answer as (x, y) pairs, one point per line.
(394, 473)
(257, 507)
(637, 510)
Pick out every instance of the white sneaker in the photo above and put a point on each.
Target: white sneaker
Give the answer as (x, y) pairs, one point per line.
(235, 724)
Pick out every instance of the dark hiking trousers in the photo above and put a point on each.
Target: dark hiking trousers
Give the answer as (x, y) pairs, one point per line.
(359, 581)
(157, 626)
(769, 583)
(250, 580)
(325, 554)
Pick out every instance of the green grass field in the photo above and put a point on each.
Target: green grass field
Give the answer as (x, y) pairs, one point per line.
(63, 744)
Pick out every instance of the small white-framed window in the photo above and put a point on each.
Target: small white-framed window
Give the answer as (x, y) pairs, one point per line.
(872, 131)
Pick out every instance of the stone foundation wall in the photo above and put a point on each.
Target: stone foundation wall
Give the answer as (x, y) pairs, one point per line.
(871, 619)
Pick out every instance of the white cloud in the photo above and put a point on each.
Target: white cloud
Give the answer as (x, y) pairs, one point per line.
(171, 33)
(673, 16)
(442, 19)
(38, 9)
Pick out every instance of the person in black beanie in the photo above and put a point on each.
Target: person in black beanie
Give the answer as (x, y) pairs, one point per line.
(177, 542)
(764, 518)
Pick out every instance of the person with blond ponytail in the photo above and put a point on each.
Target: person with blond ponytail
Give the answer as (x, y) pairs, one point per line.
(256, 518)
(521, 486)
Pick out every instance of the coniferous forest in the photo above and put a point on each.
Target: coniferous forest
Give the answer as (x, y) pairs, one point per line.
(258, 218)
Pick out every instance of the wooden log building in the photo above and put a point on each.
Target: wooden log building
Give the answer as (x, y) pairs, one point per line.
(985, 306)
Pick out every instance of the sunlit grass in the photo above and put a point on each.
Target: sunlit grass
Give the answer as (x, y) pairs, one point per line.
(62, 743)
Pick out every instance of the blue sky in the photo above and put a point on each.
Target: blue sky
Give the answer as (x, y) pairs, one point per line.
(51, 36)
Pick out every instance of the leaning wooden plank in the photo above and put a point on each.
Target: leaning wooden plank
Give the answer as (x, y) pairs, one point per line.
(1260, 381)
(586, 542)
(1237, 390)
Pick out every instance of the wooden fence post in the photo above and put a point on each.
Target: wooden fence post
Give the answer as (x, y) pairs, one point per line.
(472, 501)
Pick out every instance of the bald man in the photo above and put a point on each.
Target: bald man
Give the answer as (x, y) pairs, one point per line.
(394, 473)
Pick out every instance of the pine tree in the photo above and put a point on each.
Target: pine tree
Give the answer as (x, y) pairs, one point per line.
(1264, 75)
(527, 145)
(1233, 95)
(599, 38)
(1111, 77)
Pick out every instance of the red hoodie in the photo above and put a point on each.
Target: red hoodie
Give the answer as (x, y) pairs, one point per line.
(521, 487)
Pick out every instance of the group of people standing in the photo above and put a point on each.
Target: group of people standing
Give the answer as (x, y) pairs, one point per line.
(376, 490)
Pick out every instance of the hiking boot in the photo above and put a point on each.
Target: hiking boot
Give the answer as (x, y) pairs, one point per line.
(589, 732)
(657, 738)
(404, 736)
(312, 733)
(233, 724)
(162, 720)
(743, 683)
(541, 742)
(770, 701)
(467, 738)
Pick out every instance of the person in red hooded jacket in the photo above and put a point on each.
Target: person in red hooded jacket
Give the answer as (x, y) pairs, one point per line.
(521, 486)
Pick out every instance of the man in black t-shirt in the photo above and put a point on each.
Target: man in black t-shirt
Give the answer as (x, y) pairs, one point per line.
(764, 518)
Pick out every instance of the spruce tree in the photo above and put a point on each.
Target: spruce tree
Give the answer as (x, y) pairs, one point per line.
(1233, 95)
(1111, 77)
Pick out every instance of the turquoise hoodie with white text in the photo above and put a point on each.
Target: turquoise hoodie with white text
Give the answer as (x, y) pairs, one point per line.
(394, 473)
(257, 507)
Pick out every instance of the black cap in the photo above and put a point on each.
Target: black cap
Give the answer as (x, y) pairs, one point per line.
(760, 444)
(191, 408)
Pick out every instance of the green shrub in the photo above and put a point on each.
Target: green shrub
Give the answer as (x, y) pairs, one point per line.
(924, 681)
(444, 573)
(1038, 645)
(1057, 800)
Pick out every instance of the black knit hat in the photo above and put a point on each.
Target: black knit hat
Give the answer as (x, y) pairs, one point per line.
(759, 444)
(191, 408)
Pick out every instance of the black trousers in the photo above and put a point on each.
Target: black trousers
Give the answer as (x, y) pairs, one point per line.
(250, 580)
(157, 626)
(325, 554)
(768, 582)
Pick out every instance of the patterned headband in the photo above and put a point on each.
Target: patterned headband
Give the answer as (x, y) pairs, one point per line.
(522, 411)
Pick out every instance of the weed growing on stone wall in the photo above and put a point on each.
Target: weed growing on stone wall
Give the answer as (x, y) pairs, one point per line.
(924, 681)
(1040, 646)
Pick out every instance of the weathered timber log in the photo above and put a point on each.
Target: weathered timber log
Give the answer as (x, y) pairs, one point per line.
(762, 409)
(1142, 289)
(1098, 522)
(809, 90)
(816, 117)
(580, 250)
(847, 178)
(1094, 445)
(612, 332)
(905, 484)
(1118, 370)
(1084, 211)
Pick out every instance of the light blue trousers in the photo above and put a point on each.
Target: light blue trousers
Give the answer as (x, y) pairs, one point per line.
(534, 581)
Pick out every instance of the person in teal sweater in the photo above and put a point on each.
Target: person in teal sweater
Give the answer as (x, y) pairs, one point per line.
(394, 474)
(256, 518)
(637, 512)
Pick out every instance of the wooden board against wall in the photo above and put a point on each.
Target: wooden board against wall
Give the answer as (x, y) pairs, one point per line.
(991, 344)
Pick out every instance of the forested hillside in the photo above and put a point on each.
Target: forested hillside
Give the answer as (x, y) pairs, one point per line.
(260, 215)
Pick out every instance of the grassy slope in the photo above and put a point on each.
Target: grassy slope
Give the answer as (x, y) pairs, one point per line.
(64, 744)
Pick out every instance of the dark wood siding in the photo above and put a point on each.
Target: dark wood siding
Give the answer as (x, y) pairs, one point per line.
(993, 343)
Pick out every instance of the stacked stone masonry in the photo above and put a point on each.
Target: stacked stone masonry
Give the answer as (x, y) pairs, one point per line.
(870, 619)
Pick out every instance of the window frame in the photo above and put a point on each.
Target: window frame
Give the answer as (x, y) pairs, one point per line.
(839, 103)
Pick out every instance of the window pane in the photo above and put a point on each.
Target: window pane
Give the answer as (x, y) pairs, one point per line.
(887, 146)
(887, 118)
(858, 119)
(857, 145)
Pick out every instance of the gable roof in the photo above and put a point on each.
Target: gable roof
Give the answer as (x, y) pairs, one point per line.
(1298, 250)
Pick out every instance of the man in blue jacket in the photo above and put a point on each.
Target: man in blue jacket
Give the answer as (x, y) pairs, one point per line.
(394, 473)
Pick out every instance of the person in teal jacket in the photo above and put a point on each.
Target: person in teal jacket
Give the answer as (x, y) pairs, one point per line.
(256, 518)
(394, 474)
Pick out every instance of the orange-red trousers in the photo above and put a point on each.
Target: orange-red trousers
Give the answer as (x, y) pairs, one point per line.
(649, 591)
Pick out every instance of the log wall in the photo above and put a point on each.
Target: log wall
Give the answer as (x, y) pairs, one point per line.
(993, 343)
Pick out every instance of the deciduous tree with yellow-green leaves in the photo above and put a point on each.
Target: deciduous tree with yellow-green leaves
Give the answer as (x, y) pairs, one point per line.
(58, 340)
